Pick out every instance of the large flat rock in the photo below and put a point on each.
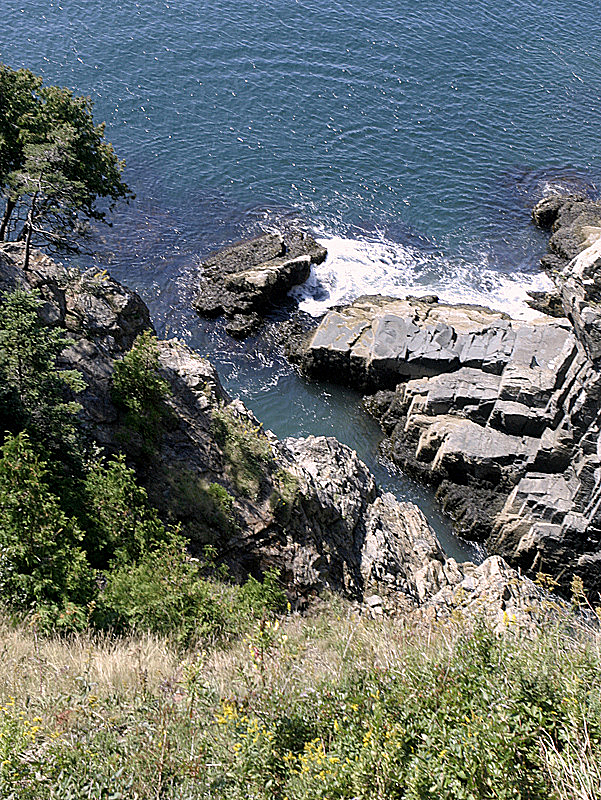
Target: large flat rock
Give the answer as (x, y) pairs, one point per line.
(503, 416)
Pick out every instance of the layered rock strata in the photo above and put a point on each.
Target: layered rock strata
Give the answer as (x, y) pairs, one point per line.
(243, 281)
(502, 416)
(308, 506)
(574, 262)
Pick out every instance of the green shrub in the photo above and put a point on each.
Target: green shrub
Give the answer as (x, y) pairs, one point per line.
(165, 593)
(284, 496)
(264, 597)
(246, 449)
(42, 563)
(204, 510)
(141, 392)
(121, 525)
(34, 392)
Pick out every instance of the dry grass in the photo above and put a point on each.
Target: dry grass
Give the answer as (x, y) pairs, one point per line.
(157, 710)
(574, 771)
(38, 671)
(304, 652)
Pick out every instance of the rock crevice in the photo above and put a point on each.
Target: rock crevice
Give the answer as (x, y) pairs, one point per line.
(502, 416)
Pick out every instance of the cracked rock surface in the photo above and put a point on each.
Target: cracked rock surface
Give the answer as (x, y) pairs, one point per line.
(502, 416)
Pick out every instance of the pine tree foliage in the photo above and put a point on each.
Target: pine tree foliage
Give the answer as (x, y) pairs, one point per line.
(55, 165)
(35, 393)
(41, 560)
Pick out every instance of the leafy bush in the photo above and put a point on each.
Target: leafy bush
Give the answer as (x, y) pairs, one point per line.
(205, 510)
(284, 495)
(246, 449)
(121, 525)
(34, 391)
(165, 593)
(139, 389)
(266, 597)
(42, 563)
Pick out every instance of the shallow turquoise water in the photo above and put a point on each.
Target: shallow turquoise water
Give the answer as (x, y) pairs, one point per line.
(413, 137)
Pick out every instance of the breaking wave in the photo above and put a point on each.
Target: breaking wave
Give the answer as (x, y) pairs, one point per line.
(355, 267)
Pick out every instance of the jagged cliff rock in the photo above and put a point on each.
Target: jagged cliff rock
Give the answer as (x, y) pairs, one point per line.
(308, 506)
(243, 281)
(502, 416)
(574, 262)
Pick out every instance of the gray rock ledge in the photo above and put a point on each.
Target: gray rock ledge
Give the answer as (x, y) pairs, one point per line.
(502, 416)
(244, 280)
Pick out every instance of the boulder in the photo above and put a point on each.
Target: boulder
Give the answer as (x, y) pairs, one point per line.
(546, 211)
(243, 281)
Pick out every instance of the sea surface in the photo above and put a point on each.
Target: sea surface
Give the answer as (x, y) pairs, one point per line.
(412, 137)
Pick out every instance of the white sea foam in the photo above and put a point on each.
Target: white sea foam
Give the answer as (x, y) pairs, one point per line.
(360, 266)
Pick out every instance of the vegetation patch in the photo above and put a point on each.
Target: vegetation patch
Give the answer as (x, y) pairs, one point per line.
(35, 394)
(285, 493)
(141, 392)
(205, 510)
(247, 451)
(330, 705)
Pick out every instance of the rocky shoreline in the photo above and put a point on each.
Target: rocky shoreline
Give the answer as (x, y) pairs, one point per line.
(501, 416)
(309, 506)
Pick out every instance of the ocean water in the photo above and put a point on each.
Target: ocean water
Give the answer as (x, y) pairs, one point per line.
(413, 138)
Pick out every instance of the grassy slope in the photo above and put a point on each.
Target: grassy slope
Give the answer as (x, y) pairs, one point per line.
(330, 705)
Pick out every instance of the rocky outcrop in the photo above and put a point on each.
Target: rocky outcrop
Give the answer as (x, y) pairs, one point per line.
(497, 594)
(574, 262)
(308, 506)
(502, 416)
(245, 280)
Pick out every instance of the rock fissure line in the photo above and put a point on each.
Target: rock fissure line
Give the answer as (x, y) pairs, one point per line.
(502, 416)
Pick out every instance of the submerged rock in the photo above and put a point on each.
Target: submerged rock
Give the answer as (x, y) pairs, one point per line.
(243, 281)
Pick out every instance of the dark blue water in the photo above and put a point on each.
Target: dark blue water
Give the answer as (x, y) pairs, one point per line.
(413, 136)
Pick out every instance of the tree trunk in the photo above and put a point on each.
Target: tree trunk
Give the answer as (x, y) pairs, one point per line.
(29, 226)
(10, 207)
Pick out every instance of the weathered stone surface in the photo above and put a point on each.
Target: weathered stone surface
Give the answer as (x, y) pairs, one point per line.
(397, 546)
(574, 261)
(378, 341)
(90, 302)
(502, 416)
(546, 211)
(495, 592)
(244, 280)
